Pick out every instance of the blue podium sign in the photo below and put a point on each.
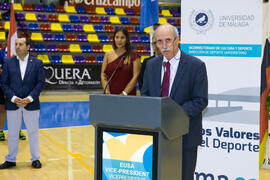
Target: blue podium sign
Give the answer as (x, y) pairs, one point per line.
(127, 155)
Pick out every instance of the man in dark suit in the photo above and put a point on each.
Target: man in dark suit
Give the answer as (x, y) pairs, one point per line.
(3, 54)
(22, 81)
(184, 79)
(156, 53)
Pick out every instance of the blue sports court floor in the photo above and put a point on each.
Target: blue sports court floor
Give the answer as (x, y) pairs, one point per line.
(63, 114)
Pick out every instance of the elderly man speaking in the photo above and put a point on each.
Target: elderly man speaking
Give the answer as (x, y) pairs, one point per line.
(184, 79)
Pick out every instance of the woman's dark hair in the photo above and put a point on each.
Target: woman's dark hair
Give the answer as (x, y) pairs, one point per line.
(125, 32)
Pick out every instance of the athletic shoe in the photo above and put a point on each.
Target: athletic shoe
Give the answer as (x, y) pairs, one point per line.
(21, 135)
(2, 136)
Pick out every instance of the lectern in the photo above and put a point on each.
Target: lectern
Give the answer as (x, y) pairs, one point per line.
(137, 137)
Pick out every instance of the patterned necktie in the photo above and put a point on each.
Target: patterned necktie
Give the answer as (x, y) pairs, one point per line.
(166, 80)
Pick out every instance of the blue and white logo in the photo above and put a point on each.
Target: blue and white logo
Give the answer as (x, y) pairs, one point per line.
(201, 21)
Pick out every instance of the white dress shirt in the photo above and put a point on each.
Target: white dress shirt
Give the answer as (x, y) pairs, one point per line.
(174, 62)
(23, 65)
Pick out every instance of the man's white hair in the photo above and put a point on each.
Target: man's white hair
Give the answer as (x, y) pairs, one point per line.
(175, 31)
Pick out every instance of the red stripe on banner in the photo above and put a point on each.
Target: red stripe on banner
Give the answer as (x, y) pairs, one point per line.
(263, 108)
(12, 36)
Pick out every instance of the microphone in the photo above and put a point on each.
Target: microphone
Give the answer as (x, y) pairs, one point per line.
(121, 60)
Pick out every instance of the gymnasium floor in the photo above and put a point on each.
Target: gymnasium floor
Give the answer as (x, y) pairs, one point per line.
(66, 142)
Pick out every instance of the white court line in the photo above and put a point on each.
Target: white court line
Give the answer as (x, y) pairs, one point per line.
(70, 171)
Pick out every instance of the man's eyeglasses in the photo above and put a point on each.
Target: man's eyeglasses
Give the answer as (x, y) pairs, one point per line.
(167, 41)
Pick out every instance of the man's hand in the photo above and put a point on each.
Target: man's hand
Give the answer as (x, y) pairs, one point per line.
(22, 102)
(25, 101)
(18, 101)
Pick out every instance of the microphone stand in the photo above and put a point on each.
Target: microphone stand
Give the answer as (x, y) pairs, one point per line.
(121, 60)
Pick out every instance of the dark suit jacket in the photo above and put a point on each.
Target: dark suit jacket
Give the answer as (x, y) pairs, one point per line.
(31, 85)
(2, 56)
(189, 90)
(140, 78)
